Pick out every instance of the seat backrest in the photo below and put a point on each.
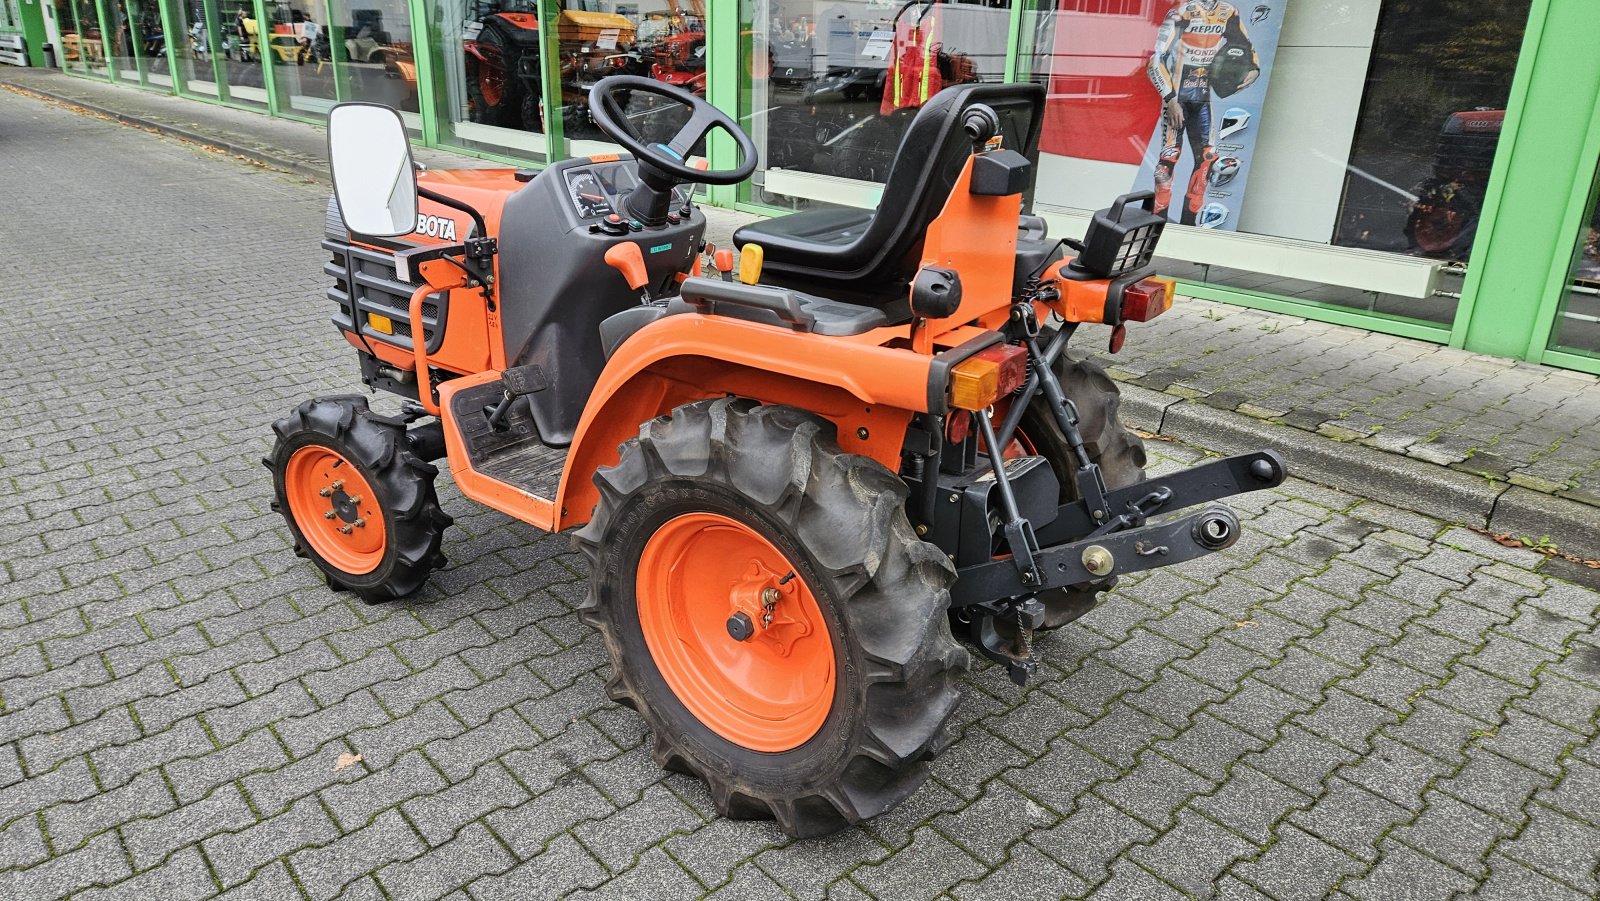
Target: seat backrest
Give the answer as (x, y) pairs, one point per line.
(925, 168)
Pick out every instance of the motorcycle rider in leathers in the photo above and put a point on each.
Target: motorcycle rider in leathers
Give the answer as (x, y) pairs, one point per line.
(1187, 45)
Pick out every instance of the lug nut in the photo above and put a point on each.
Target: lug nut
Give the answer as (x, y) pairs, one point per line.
(740, 628)
(360, 523)
(329, 515)
(356, 500)
(338, 483)
(326, 492)
(346, 529)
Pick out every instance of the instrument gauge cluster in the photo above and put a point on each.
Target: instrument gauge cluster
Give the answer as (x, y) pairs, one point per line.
(589, 196)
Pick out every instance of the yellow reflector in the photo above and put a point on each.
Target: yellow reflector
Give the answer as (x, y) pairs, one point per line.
(750, 260)
(380, 323)
(974, 383)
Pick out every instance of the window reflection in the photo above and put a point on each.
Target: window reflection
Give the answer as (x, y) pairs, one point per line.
(1577, 326)
(844, 79)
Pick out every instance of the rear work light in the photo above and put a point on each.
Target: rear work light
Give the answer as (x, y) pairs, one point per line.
(1146, 299)
(988, 375)
(1122, 238)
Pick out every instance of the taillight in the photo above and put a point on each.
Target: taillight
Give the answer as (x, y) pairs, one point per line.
(988, 375)
(1146, 299)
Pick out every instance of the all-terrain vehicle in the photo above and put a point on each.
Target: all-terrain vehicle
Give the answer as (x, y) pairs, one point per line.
(792, 485)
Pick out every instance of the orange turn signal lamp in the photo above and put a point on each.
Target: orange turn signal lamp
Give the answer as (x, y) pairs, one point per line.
(1146, 299)
(988, 375)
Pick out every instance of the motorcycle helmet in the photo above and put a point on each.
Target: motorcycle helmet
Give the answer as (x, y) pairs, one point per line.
(1212, 215)
(1232, 66)
(1234, 120)
(1223, 170)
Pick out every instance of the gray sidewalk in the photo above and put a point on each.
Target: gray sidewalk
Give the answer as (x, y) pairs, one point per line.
(1511, 446)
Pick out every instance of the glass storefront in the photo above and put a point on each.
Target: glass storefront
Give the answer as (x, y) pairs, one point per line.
(495, 91)
(1577, 326)
(195, 32)
(487, 55)
(297, 46)
(1331, 157)
(138, 50)
(843, 80)
(374, 37)
(1370, 126)
(82, 47)
(242, 46)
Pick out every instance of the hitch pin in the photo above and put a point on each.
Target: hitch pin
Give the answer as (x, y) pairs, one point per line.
(1140, 549)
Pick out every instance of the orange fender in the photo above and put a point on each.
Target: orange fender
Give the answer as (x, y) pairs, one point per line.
(868, 391)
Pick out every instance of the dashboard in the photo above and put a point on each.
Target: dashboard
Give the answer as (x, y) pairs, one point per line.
(597, 190)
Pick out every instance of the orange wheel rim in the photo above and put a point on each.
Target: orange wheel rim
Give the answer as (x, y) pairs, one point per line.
(769, 692)
(335, 509)
(489, 86)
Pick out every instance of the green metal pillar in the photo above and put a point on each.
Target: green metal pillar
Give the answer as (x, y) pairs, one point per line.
(725, 53)
(1524, 236)
(555, 141)
(219, 62)
(339, 56)
(263, 49)
(33, 32)
(423, 40)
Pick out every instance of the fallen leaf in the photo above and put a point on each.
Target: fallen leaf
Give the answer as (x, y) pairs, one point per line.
(1245, 624)
(345, 760)
(1153, 436)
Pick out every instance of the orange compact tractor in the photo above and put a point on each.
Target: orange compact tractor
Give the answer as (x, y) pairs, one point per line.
(795, 487)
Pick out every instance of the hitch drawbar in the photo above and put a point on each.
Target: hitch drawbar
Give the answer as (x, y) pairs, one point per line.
(1102, 555)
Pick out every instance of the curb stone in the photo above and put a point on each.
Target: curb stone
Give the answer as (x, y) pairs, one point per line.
(1438, 491)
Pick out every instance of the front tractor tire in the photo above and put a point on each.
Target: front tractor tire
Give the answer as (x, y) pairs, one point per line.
(359, 503)
(771, 615)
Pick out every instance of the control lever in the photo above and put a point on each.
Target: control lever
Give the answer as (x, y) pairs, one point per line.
(628, 259)
(723, 260)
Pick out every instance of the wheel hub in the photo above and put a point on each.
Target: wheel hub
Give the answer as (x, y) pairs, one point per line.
(334, 508)
(704, 580)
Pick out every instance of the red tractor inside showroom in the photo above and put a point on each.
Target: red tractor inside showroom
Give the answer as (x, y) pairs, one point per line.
(796, 484)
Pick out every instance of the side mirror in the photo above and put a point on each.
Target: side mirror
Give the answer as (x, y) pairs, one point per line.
(373, 177)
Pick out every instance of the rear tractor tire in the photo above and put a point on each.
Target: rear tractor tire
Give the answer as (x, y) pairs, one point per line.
(771, 615)
(359, 503)
(1114, 448)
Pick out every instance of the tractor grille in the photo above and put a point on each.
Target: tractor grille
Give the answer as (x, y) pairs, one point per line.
(364, 285)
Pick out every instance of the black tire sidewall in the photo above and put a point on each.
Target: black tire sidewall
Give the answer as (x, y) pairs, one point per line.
(817, 760)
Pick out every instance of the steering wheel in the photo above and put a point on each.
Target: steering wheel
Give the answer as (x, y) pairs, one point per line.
(665, 165)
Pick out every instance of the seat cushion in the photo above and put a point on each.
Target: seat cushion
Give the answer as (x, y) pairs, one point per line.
(819, 239)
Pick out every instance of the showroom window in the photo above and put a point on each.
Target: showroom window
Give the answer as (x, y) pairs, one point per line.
(1577, 326)
(242, 48)
(138, 49)
(195, 31)
(375, 54)
(1326, 124)
(492, 69)
(82, 49)
(834, 85)
(296, 42)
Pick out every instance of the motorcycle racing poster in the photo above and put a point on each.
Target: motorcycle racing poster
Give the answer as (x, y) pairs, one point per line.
(1208, 72)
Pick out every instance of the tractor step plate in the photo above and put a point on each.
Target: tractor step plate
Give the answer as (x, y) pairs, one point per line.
(512, 454)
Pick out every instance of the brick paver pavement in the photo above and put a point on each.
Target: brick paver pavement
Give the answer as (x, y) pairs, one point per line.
(1354, 701)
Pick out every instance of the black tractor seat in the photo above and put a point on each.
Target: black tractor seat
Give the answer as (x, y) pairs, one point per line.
(870, 256)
